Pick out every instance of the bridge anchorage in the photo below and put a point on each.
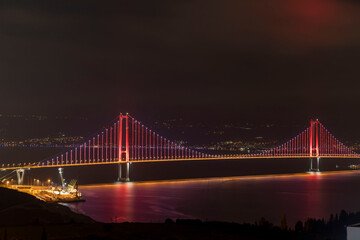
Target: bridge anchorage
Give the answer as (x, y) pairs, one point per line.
(125, 141)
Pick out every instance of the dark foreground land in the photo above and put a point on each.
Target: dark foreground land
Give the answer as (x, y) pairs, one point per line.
(134, 231)
(23, 216)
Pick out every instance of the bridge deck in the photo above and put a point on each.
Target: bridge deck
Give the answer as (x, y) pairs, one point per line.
(35, 165)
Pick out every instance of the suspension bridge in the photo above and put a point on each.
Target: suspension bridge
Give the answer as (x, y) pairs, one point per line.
(126, 140)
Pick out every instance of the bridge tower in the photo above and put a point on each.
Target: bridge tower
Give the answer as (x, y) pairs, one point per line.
(61, 171)
(20, 176)
(124, 148)
(314, 145)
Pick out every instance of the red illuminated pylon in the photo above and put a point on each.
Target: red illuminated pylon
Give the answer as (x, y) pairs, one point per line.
(314, 138)
(120, 147)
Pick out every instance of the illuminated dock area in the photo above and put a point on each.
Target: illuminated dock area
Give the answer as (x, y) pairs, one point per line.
(49, 193)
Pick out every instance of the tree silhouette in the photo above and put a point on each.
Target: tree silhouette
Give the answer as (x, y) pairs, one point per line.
(299, 226)
(283, 224)
(44, 234)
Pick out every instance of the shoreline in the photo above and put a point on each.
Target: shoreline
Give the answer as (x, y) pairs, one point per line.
(45, 194)
(243, 177)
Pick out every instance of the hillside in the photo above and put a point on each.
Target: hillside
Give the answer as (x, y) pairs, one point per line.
(18, 208)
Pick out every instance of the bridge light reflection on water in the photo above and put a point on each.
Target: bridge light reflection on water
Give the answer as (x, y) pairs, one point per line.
(246, 198)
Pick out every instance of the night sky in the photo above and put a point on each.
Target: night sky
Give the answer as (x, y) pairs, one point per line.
(279, 59)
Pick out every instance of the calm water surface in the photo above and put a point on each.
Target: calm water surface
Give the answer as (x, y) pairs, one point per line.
(238, 199)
